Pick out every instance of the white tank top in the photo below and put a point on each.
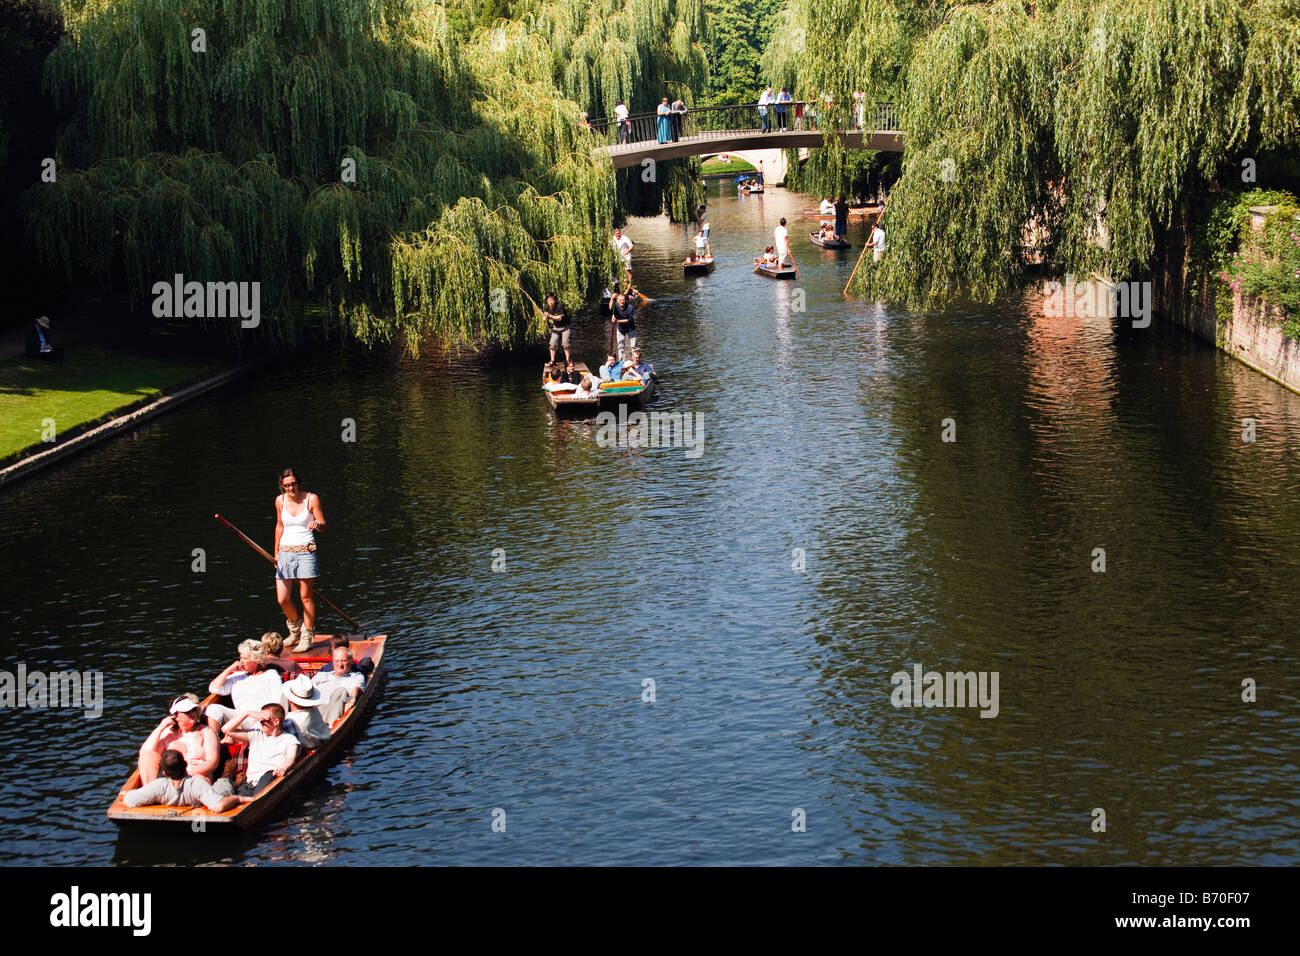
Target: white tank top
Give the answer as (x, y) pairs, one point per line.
(295, 532)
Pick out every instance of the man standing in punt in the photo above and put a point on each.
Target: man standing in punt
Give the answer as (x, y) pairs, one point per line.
(782, 237)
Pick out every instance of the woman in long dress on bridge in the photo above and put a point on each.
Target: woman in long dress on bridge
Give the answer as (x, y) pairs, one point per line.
(665, 124)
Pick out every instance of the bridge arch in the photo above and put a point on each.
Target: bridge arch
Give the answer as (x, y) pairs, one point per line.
(773, 160)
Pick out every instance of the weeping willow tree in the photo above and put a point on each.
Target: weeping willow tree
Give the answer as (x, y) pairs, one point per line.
(1078, 130)
(347, 154)
(598, 54)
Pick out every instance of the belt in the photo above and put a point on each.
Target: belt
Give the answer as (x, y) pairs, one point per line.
(298, 547)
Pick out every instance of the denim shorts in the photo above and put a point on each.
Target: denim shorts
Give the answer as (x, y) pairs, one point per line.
(294, 565)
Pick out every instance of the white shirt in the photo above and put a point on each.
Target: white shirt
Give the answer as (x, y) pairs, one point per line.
(699, 244)
(624, 246)
(253, 691)
(620, 112)
(827, 207)
(327, 681)
(267, 753)
(878, 238)
(782, 243)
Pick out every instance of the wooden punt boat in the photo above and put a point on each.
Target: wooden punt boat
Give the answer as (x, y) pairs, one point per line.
(307, 766)
(566, 402)
(630, 395)
(775, 272)
(698, 267)
(751, 190)
(828, 244)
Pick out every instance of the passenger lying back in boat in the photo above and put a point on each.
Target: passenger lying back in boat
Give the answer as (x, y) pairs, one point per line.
(273, 644)
(271, 751)
(248, 681)
(556, 379)
(184, 731)
(588, 386)
(176, 788)
(304, 720)
(341, 686)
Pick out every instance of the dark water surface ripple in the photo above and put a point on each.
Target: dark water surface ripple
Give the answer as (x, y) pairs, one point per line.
(521, 689)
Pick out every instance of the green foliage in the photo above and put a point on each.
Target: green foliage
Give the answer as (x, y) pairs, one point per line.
(232, 165)
(1263, 265)
(1073, 130)
(739, 30)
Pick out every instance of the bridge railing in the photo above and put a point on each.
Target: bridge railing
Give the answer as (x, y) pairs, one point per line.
(704, 121)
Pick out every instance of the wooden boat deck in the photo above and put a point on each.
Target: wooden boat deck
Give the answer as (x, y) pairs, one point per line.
(698, 267)
(307, 765)
(771, 272)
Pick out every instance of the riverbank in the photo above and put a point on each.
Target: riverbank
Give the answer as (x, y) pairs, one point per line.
(117, 371)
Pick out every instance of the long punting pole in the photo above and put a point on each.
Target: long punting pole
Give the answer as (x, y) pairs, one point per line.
(266, 554)
(865, 247)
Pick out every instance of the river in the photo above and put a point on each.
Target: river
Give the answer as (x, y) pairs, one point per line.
(769, 581)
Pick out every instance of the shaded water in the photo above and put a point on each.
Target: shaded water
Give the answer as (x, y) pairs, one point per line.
(522, 689)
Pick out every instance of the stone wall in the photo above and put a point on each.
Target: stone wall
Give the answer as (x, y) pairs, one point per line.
(1254, 333)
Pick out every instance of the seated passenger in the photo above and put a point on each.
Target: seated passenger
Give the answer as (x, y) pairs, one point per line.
(271, 751)
(588, 387)
(339, 687)
(175, 789)
(304, 720)
(638, 368)
(827, 208)
(610, 369)
(248, 682)
(181, 730)
(274, 645)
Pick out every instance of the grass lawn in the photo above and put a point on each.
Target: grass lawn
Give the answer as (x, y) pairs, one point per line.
(714, 166)
(88, 387)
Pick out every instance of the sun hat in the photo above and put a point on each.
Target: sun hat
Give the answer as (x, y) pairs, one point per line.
(183, 705)
(303, 692)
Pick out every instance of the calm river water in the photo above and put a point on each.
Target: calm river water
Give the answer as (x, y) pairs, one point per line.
(824, 538)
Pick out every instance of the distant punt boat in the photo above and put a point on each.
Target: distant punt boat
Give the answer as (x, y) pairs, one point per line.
(828, 243)
(698, 267)
(612, 395)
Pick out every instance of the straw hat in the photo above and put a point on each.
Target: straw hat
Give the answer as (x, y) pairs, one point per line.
(303, 692)
(43, 321)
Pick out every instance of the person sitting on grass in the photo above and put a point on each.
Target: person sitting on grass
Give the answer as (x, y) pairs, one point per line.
(271, 751)
(175, 788)
(37, 344)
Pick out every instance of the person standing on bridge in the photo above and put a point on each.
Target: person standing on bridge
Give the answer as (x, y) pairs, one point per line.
(665, 120)
(765, 100)
(781, 108)
(679, 118)
(621, 121)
